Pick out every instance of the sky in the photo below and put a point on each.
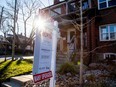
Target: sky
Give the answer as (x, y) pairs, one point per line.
(45, 2)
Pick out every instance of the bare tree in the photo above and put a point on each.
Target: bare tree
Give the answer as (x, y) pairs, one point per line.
(28, 10)
(13, 16)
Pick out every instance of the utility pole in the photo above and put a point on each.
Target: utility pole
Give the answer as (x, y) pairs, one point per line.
(81, 39)
(1, 16)
(13, 44)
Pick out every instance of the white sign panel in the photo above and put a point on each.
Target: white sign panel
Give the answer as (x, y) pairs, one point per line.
(42, 55)
(45, 53)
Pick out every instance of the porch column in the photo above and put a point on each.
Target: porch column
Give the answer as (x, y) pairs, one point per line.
(61, 44)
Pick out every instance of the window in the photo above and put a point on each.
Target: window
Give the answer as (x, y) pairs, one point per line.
(110, 56)
(55, 12)
(72, 7)
(106, 3)
(61, 0)
(108, 32)
(85, 39)
(85, 5)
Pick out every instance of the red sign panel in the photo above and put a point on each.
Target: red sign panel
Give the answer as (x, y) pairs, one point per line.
(42, 76)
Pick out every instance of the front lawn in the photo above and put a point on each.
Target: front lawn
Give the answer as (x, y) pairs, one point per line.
(13, 68)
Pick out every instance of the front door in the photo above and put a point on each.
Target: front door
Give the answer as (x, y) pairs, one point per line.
(71, 40)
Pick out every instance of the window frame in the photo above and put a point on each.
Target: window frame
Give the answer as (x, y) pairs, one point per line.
(107, 6)
(109, 38)
(108, 54)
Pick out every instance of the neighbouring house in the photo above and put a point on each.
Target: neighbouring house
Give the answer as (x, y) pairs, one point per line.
(21, 46)
(99, 28)
(3, 45)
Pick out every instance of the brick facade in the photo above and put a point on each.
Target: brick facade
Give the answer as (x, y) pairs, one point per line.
(94, 18)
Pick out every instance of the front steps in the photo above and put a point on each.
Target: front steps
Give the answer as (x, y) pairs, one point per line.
(60, 59)
(18, 81)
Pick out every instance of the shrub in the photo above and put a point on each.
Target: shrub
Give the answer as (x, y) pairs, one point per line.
(96, 84)
(91, 78)
(67, 67)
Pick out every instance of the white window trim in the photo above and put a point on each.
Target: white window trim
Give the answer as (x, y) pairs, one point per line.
(106, 5)
(105, 54)
(108, 33)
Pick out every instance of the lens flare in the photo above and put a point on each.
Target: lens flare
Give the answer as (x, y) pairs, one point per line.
(39, 23)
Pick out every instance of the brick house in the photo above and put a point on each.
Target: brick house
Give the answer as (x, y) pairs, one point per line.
(99, 27)
(20, 45)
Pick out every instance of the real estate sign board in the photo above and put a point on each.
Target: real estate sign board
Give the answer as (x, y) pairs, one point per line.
(42, 55)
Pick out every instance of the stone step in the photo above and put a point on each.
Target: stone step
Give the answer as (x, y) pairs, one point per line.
(60, 62)
(61, 59)
(6, 84)
(61, 56)
(18, 81)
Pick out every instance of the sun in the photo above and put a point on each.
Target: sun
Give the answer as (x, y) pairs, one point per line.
(39, 23)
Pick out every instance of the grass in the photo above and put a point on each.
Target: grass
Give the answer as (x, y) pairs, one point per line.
(13, 68)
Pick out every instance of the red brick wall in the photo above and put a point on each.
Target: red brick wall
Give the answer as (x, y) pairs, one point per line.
(108, 17)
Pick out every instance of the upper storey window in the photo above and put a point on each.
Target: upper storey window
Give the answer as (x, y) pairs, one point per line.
(72, 7)
(61, 0)
(85, 5)
(106, 3)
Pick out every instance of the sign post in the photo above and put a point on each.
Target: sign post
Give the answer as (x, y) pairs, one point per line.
(45, 53)
(56, 35)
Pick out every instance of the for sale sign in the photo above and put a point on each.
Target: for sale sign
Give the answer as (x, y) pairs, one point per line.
(42, 76)
(42, 55)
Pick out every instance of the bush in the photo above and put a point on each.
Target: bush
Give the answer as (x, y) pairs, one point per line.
(91, 78)
(68, 67)
(96, 84)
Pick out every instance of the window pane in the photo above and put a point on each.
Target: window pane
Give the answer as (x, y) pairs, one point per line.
(72, 7)
(104, 29)
(57, 10)
(112, 35)
(111, 2)
(115, 28)
(112, 28)
(104, 36)
(103, 5)
(61, 0)
(102, 0)
(85, 5)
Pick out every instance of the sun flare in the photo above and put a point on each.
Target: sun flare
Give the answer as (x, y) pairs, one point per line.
(40, 23)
